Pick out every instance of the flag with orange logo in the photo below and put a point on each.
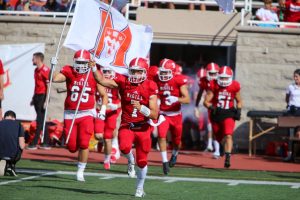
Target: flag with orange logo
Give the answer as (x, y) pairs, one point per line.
(120, 41)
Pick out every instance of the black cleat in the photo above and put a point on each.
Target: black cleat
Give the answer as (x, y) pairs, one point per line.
(227, 160)
(172, 161)
(166, 168)
(222, 152)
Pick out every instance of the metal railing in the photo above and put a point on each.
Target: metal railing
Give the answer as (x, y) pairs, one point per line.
(34, 13)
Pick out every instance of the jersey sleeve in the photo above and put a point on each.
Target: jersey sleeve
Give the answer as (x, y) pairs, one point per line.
(66, 71)
(46, 73)
(288, 91)
(181, 80)
(120, 79)
(237, 86)
(153, 89)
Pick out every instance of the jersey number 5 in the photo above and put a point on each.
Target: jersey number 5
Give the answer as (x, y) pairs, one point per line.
(76, 93)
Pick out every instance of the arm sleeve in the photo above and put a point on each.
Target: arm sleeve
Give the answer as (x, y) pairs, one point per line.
(65, 71)
(153, 88)
(181, 80)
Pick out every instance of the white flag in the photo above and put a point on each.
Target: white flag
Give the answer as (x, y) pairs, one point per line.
(120, 42)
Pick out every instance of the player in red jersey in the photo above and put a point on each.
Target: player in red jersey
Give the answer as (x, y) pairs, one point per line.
(211, 70)
(173, 91)
(220, 100)
(139, 104)
(105, 127)
(83, 128)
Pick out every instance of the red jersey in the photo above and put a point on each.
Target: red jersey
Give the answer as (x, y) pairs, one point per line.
(74, 84)
(41, 77)
(134, 92)
(224, 96)
(204, 84)
(170, 88)
(1, 68)
(113, 97)
(292, 12)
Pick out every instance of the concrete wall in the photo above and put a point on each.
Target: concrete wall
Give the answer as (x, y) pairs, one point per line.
(265, 61)
(18, 30)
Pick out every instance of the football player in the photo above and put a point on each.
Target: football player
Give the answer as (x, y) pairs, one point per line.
(221, 98)
(139, 104)
(204, 83)
(83, 128)
(173, 91)
(107, 121)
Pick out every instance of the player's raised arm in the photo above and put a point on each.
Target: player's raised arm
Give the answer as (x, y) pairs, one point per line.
(100, 78)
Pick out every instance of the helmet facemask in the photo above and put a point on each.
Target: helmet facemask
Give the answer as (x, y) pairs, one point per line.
(224, 80)
(211, 75)
(81, 67)
(136, 74)
(108, 73)
(165, 74)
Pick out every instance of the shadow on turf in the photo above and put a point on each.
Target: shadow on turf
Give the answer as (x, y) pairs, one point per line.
(84, 191)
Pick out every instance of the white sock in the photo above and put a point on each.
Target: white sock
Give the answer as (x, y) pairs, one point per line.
(141, 176)
(81, 166)
(106, 158)
(164, 156)
(130, 157)
(209, 142)
(175, 152)
(114, 142)
(217, 146)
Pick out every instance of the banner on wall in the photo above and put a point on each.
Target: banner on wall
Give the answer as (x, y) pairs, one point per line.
(19, 78)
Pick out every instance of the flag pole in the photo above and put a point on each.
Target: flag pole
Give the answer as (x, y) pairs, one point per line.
(88, 73)
(53, 65)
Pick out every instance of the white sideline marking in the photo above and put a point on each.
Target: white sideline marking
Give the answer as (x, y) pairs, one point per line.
(293, 185)
(27, 178)
(170, 181)
(107, 178)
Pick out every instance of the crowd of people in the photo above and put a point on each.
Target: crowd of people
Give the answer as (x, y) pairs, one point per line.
(287, 11)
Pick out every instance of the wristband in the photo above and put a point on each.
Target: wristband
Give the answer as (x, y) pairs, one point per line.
(145, 111)
(94, 69)
(103, 109)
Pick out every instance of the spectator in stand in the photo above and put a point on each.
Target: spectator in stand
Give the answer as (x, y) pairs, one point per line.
(1, 87)
(22, 5)
(192, 6)
(63, 5)
(12, 143)
(37, 5)
(2, 4)
(292, 10)
(41, 77)
(267, 14)
(51, 6)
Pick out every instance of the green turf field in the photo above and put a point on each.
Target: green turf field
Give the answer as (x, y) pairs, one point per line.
(53, 180)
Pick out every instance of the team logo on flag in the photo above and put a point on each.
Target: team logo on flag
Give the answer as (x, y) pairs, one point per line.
(113, 43)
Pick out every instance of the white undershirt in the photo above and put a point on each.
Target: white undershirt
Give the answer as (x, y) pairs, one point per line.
(294, 93)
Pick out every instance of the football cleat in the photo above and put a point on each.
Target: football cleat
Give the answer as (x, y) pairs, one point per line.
(80, 176)
(131, 170)
(113, 159)
(172, 161)
(166, 168)
(216, 155)
(227, 161)
(140, 193)
(106, 165)
(209, 148)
